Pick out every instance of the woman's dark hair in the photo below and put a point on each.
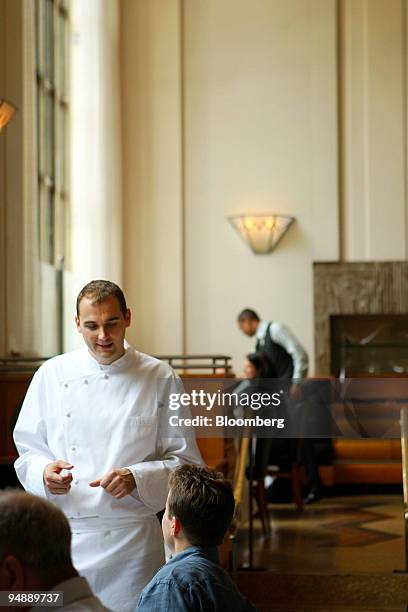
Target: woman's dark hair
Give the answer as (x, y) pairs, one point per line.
(261, 364)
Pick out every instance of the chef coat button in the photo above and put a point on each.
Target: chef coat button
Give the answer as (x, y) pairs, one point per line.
(73, 448)
(85, 382)
(76, 481)
(68, 414)
(106, 377)
(66, 385)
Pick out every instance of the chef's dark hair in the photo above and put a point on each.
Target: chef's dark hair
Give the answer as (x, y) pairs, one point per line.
(203, 501)
(100, 290)
(248, 313)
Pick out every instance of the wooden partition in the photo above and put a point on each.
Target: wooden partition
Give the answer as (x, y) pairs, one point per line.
(13, 387)
(14, 384)
(218, 453)
(355, 461)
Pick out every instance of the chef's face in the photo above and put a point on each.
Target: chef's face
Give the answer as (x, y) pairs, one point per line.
(103, 328)
(167, 528)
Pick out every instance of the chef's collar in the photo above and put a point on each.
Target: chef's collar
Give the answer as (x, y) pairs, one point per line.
(120, 363)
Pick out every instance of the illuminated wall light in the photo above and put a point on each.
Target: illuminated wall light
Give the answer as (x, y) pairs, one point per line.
(261, 232)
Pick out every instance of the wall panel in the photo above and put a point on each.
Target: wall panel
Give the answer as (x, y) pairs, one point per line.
(152, 172)
(373, 139)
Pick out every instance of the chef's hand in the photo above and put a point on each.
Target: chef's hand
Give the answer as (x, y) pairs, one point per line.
(118, 482)
(57, 483)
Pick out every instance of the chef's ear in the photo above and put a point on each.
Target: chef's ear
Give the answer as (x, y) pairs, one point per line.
(77, 323)
(128, 317)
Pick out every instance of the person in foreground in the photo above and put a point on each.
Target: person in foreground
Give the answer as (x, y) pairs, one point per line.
(35, 543)
(89, 440)
(199, 509)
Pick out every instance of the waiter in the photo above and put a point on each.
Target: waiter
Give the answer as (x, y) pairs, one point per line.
(289, 363)
(88, 440)
(287, 357)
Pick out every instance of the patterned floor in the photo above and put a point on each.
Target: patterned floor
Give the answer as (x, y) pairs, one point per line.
(335, 535)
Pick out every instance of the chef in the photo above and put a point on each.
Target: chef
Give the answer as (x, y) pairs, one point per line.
(89, 440)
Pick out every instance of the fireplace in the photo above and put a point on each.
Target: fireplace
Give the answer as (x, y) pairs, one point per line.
(361, 330)
(376, 295)
(368, 345)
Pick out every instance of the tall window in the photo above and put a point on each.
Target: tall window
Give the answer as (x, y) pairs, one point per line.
(52, 70)
(52, 54)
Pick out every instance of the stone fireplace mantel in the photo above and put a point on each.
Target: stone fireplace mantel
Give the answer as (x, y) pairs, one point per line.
(355, 288)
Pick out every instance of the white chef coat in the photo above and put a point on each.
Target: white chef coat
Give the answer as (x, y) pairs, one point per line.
(99, 417)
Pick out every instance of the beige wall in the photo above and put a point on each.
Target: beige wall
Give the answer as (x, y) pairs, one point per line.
(373, 76)
(11, 178)
(251, 99)
(28, 322)
(3, 324)
(20, 331)
(96, 190)
(298, 106)
(254, 139)
(152, 172)
(227, 106)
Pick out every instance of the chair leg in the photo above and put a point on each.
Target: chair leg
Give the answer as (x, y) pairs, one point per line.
(297, 486)
(263, 507)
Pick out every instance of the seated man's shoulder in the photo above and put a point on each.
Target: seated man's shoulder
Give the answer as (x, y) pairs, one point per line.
(184, 571)
(194, 583)
(194, 570)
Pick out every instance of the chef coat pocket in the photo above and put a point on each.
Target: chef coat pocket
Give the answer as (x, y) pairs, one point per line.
(141, 426)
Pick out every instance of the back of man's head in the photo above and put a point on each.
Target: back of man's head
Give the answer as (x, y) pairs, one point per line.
(37, 535)
(203, 502)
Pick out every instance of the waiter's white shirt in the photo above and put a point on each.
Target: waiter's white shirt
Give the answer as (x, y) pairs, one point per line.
(280, 334)
(100, 417)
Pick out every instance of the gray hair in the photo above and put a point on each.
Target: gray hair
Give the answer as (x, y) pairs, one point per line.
(35, 531)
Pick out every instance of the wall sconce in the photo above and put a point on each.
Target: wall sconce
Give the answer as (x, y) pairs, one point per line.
(7, 110)
(262, 232)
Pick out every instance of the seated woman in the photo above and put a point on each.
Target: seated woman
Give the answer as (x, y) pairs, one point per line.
(279, 450)
(259, 378)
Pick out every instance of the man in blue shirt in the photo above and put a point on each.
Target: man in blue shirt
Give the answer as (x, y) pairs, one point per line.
(199, 509)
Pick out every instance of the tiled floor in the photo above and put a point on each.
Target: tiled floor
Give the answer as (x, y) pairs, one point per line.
(336, 535)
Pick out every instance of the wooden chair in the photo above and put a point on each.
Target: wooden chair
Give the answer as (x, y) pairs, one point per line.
(295, 476)
(294, 473)
(316, 398)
